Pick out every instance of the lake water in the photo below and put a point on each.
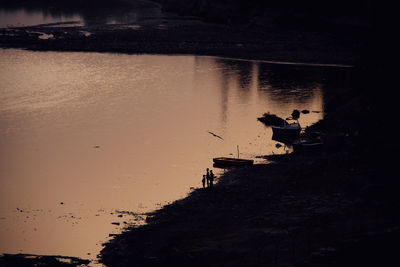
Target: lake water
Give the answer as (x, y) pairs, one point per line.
(36, 13)
(86, 137)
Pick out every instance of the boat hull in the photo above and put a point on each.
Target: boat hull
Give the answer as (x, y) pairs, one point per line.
(307, 147)
(285, 132)
(231, 162)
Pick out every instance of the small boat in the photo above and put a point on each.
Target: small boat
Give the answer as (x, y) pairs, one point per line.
(228, 162)
(307, 145)
(287, 130)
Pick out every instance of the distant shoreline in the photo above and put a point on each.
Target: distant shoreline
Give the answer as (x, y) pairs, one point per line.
(290, 63)
(194, 38)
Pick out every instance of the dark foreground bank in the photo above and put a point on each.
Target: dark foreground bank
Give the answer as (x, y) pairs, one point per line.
(335, 207)
(301, 211)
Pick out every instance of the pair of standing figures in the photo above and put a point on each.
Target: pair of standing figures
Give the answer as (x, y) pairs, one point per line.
(209, 178)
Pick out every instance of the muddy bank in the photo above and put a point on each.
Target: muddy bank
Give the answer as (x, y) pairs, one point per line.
(302, 211)
(189, 35)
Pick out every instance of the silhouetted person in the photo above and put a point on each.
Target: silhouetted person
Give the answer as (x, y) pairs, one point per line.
(211, 178)
(208, 177)
(204, 181)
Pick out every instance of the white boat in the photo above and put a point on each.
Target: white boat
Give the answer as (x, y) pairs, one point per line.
(287, 130)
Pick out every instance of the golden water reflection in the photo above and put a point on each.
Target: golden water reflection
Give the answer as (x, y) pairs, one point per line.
(70, 14)
(83, 135)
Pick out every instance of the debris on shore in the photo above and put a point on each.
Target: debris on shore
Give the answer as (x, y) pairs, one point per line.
(215, 135)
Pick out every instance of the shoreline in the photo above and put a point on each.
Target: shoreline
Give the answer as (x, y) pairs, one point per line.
(283, 214)
(305, 64)
(187, 37)
(331, 209)
(284, 62)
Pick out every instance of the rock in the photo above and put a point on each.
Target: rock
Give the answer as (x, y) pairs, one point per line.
(295, 114)
(271, 120)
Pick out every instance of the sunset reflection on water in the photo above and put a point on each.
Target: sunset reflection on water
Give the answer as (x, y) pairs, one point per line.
(85, 135)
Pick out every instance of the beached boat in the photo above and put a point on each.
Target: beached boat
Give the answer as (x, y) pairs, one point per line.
(223, 161)
(287, 130)
(307, 145)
